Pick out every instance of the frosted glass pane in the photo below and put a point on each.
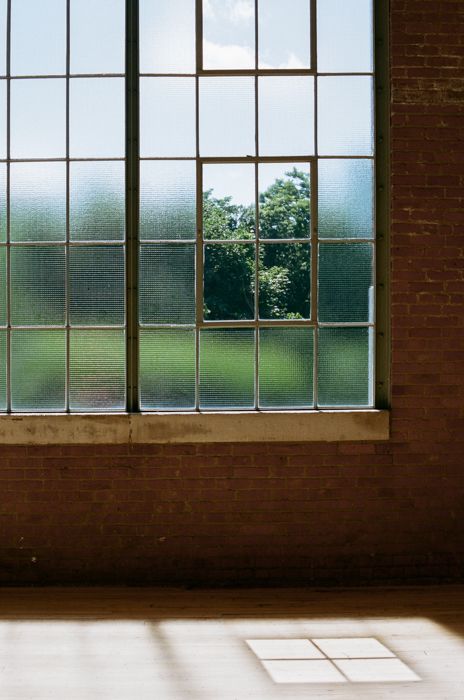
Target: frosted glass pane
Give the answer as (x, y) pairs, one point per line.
(167, 283)
(344, 36)
(346, 198)
(227, 116)
(286, 115)
(167, 117)
(37, 286)
(286, 367)
(38, 370)
(167, 36)
(167, 369)
(227, 368)
(3, 119)
(284, 200)
(284, 34)
(3, 278)
(229, 282)
(96, 201)
(3, 370)
(96, 118)
(38, 37)
(284, 280)
(345, 116)
(97, 36)
(38, 201)
(228, 34)
(344, 367)
(38, 118)
(346, 292)
(2, 202)
(167, 200)
(97, 370)
(229, 201)
(96, 285)
(3, 13)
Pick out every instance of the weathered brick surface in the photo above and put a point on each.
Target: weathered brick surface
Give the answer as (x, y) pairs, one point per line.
(297, 513)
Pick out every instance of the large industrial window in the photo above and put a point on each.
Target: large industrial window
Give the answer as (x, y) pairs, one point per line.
(187, 198)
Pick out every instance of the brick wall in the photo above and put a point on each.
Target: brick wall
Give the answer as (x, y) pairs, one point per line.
(297, 513)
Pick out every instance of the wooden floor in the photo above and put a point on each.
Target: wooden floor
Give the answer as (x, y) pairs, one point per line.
(164, 644)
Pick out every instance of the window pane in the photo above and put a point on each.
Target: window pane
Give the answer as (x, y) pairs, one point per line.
(284, 200)
(38, 370)
(38, 201)
(3, 119)
(227, 368)
(346, 292)
(167, 200)
(228, 34)
(345, 367)
(96, 121)
(344, 36)
(284, 34)
(286, 367)
(229, 201)
(3, 281)
(167, 369)
(97, 36)
(167, 283)
(345, 116)
(167, 117)
(3, 370)
(2, 202)
(37, 286)
(286, 116)
(38, 37)
(346, 198)
(167, 36)
(97, 370)
(229, 282)
(3, 13)
(284, 280)
(38, 118)
(96, 206)
(97, 285)
(227, 116)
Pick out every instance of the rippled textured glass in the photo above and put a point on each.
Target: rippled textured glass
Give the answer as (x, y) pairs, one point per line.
(229, 201)
(284, 200)
(38, 37)
(167, 117)
(284, 34)
(346, 292)
(37, 278)
(3, 20)
(38, 370)
(286, 115)
(3, 279)
(97, 201)
(344, 36)
(2, 202)
(345, 367)
(38, 118)
(96, 118)
(97, 370)
(167, 36)
(97, 36)
(284, 280)
(3, 353)
(286, 367)
(227, 116)
(38, 202)
(167, 200)
(167, 283)
(228, 35)
(345, 115)
(346, 198)
(229, 282)
(2, 119)
(97, 285)
(227, 368)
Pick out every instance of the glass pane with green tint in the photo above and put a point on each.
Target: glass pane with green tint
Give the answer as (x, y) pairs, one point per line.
(286, 367)
(97, 36)
(38, 118)
(284, 34)
(345, 115)
(229, 201)
(284, 200)
(227, 368)
(37, 286)
(167, 117)
(228, 35)
(167, 36)
(227, 116)
(3, 351)
(345, 367)
(38, 37)
(344, 36)
(167, 369)
(96, 118)
(167, 283)
(346, 292)
(97, 370)
(38, 201)
(346, 198)
(284, 280)
(167, 200)
(3, 281)
(97, 285)
(2, 202)
(286, 115)
(2, 119)
(38, 370)
(96, 201)
(229, 281)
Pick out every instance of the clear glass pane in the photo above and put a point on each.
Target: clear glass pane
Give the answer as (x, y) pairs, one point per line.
(284, 34)
(167, 369)
(3, 278)
(38, 37)
(346, 198)
(344, 36)
(2, 202)
(284, 280)
(37, 286)
(38, 201)
(3, 118)
(167, 117)
(284, 200)
(97, 285)
(38, 118)
(345, 367)
(286, 115)
(167, 36)
(229, 282)
(167, 200)
(227, 368)
(3, 15)
(97, 36)
(38, 370)
(345, 116)
(3, 370)
(227, 116)
(96, 201)
(167, 283)
(228, 34)
(286, 367)
(96, 118)
(229, 201)
(346, 291)
(97, 370)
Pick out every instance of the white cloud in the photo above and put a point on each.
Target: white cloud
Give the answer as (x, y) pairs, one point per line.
(208, 9)
(292, 62)
(218, 56)
(242, 10)
(235, 11)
